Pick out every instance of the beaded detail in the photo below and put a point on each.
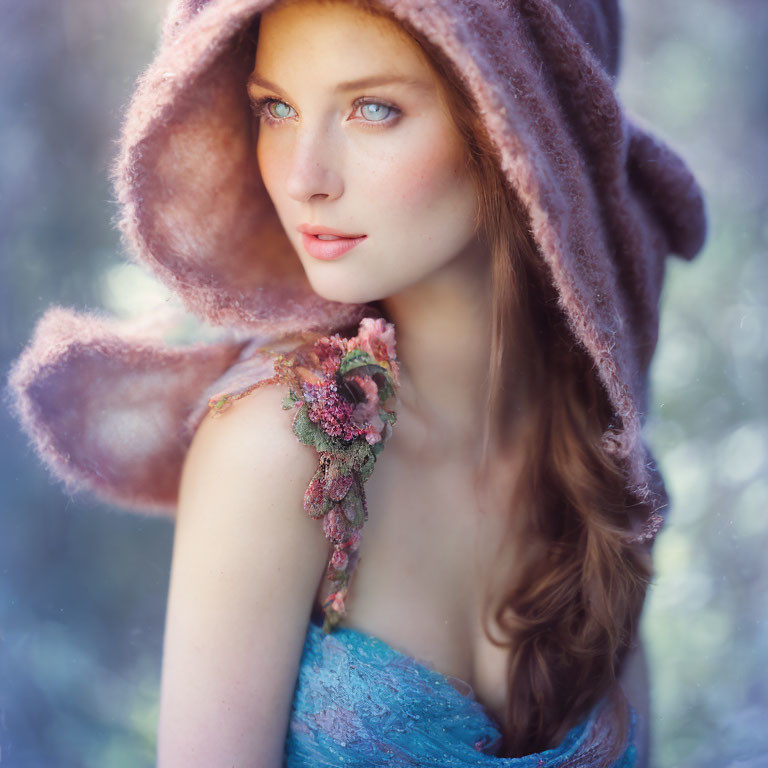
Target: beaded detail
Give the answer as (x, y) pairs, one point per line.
(344, 392)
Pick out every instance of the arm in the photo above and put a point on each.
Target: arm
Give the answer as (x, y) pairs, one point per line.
(634, 682)
(246, 565)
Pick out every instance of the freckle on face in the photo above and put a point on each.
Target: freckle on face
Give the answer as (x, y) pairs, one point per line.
(419, 173)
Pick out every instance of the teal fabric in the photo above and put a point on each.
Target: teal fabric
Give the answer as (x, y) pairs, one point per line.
(359, 702)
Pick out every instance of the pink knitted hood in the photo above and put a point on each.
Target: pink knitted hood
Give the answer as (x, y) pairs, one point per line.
(607, 201)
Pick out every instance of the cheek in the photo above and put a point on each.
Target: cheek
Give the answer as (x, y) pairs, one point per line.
(268, 161)
(425, 199)
(419, 176)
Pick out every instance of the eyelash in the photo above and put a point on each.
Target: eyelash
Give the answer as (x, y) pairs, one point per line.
(259, 108)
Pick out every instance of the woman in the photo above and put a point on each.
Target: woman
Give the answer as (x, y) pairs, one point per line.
(501, 215)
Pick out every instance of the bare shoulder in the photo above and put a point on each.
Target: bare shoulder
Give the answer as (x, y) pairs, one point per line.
(246, 466)
(247, 561)
(256, 422)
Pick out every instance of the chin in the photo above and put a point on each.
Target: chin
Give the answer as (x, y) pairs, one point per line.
(345, 294)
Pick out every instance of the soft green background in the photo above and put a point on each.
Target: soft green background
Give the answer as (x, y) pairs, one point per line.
(696, 69)
(83, 586)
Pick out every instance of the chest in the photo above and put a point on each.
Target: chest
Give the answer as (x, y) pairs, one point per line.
(424, 564)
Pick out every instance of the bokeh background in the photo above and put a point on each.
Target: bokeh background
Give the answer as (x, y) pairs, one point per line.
(83, 585)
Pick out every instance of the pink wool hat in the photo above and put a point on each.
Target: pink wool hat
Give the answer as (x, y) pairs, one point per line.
(112, 409)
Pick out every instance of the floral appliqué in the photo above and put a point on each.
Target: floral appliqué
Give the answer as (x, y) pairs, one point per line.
(345, 395)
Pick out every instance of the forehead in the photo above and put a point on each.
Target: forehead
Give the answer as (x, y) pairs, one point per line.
(331, 40)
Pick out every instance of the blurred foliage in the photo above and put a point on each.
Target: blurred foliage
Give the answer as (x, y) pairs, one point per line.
(83, 588)
(691, 69)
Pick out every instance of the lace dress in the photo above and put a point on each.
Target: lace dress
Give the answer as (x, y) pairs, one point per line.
(358, 701)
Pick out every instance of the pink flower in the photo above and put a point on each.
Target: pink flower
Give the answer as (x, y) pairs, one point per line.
(348, 406)
(376, 337)
(338, 602)
(329, 351)
(334, 525)
(331, 411)
(339, 559)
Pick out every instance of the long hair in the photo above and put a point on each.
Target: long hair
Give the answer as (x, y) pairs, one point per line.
(569, 586)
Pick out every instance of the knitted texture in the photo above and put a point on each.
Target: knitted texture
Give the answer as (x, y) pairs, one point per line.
(104, 404)
(607, 202)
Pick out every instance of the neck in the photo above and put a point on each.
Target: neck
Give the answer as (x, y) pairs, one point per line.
(443, 331)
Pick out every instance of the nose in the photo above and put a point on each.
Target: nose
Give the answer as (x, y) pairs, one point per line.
(312, 172)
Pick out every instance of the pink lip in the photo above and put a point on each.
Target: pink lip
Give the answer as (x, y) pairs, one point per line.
(319, 229)
(327, 250)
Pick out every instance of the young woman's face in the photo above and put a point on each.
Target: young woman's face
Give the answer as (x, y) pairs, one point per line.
(383, 160)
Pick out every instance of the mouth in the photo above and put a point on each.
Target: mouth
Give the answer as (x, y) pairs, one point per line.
(329, 247)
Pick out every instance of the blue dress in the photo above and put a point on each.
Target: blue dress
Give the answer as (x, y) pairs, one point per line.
(359, 702)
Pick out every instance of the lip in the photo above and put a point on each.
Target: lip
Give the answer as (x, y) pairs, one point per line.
(328, 250)
(319, 229)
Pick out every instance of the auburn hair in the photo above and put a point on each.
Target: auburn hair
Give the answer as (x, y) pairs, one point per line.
(572, 583)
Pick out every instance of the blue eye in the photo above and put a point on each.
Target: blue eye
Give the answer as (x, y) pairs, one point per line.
(380, 108)
(261, 109)
(279, 104)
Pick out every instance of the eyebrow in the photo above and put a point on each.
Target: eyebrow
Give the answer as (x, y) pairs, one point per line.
(352, 85)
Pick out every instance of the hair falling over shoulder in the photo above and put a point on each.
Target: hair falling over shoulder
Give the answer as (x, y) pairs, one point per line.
(575, 583)
(572, 584)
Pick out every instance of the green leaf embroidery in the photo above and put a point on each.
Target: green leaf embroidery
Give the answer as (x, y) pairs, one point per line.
(354, 359)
